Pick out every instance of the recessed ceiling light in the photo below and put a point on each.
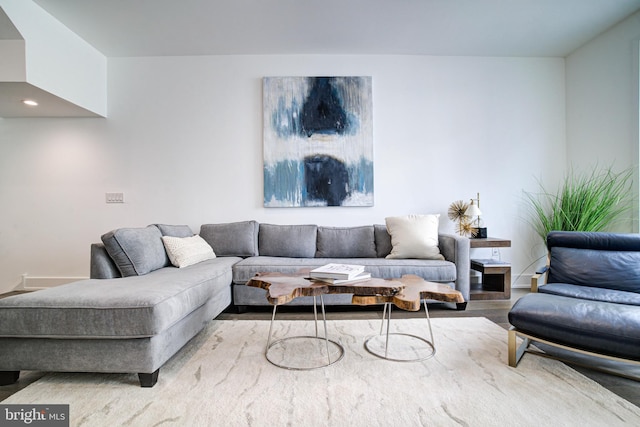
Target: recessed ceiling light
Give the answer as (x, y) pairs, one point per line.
(30, 102)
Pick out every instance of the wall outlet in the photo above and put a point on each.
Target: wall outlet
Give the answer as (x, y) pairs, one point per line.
(495, 253)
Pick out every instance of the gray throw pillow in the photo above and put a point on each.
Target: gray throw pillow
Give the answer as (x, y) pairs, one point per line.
(232, 239)
(346, 242)
(136, 251)
(175, 230)
(294, 241)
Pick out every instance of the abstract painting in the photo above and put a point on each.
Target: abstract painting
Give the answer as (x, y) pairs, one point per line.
(318, 141)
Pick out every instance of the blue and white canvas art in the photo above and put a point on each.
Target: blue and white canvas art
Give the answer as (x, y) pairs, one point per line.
(318, 141)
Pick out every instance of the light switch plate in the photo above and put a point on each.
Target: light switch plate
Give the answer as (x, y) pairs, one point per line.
(114, 197)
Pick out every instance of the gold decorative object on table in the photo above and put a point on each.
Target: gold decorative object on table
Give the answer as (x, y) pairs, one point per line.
(462, 214)
(456, 213)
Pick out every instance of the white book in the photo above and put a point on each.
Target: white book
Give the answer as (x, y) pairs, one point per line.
(336, 271)
(359, 278)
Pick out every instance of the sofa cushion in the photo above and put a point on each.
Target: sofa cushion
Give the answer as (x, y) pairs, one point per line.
(136, 251)
(414, 236)
(428, 269)
(346, 242)
(591, 293)
(186, 251)
(175, 230)
(232, 239)
(603, 327)
(383, 240)
(608, 269)
(296, 241)
(140, 306)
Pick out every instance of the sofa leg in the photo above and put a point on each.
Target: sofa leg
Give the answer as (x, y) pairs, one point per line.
(461, 306)
(148, 380)
(9, 377)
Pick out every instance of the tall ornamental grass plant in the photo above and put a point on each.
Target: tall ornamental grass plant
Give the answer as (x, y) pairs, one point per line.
(592, 201)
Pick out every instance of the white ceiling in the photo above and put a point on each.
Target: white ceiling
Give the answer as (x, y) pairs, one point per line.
(422, 27)
(118, 28)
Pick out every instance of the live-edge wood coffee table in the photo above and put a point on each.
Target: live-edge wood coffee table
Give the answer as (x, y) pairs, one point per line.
(405, 293)
(415, 290)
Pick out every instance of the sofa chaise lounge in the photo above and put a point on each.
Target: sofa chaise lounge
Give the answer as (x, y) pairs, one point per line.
(137, 309)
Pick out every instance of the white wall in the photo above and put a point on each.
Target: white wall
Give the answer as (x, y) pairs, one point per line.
(183, 142)
(602, 102)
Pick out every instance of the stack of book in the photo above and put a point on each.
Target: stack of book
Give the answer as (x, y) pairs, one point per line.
(339, 274)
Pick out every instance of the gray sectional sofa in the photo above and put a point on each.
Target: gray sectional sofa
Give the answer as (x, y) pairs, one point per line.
(137, 309)
(289, 248)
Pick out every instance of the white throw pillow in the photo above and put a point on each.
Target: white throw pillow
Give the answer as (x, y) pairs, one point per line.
(414, 236)
(186, 251)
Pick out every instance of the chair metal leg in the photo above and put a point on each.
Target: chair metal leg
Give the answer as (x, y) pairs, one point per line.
(516, 352)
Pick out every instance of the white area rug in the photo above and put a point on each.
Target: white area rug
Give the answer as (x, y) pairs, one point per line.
(222, 379)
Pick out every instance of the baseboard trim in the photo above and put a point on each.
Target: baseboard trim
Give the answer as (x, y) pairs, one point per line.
(34, 283)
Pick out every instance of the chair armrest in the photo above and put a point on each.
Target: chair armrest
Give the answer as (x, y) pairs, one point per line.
(538, 279)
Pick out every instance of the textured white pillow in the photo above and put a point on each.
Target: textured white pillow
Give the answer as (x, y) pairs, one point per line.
(186, 251)
(414, 236)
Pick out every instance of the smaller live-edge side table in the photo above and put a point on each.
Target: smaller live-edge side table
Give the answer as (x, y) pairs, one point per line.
(496, 275)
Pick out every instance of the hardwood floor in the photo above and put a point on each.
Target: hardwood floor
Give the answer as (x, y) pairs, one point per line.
(494, 310)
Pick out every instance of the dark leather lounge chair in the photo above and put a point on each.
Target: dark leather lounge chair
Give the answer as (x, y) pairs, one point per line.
(590, 303)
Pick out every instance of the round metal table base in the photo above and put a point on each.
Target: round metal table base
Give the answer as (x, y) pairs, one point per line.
(400, 347)
(304, 352)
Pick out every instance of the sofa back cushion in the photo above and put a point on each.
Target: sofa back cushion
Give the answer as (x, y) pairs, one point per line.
(175, 230)
(346, 242)
(383, 240)
(136, 251)
(601, 260)
(232, 239)
(294, 241)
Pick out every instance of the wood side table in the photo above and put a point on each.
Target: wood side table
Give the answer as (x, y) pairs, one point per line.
(496, 277)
